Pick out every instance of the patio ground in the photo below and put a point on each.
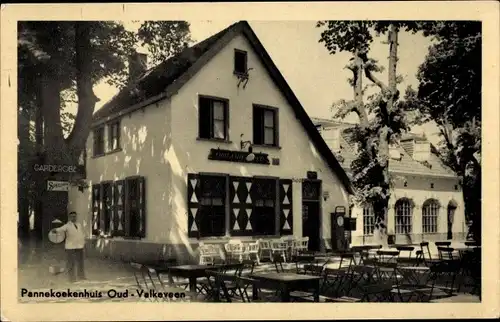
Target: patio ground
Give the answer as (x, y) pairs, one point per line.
(102, 275)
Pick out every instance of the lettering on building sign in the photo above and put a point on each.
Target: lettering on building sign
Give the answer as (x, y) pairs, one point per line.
(54, 168)
(57, 186)
(237, 156)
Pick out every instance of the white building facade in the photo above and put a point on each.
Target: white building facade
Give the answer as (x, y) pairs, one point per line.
(169, 163)
(426, 202)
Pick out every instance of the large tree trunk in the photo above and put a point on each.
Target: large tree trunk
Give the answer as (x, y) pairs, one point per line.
(56, 149)
(24, 148)
(384, 134)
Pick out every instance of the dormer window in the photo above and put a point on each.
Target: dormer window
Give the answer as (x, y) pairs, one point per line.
(240, 62)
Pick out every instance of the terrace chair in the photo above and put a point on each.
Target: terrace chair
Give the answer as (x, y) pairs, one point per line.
(424, 254)
(442, 244)
(471, 244)
(265, 250)
(252, 249)
(450, 266)
(278, 263)
(141, 280)
(395, 280)
(215, 288)
(387, 255)
(279, 246)
(409, 259)
(235, 250)
(208, 253)
(337, 279)
(367, 283)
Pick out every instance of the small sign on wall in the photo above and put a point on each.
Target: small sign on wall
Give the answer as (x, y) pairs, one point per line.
(57, 185)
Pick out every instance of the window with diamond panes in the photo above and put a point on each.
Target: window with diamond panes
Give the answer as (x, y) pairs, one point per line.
(212, 208)
(264, 207)
(368, 220)
(404, 210)
(430, 211)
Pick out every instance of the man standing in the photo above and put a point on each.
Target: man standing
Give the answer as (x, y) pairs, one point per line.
(75, 241)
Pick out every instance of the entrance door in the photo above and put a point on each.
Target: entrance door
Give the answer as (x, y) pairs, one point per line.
(311, 223)
(451, 214)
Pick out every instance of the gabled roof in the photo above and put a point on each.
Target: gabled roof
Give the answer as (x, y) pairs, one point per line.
(406, 165)
(168, 77)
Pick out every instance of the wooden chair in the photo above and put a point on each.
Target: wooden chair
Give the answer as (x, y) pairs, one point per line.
(278, 246)
(235, 250)
(208, 253)
(265, 250)
(252, 250)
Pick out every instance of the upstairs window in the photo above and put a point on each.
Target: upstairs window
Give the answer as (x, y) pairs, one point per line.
(265, 126)
(240, 62)
(99, 141)
(213, 118)
(114, 136)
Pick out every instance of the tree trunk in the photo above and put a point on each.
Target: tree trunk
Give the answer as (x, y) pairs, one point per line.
(24, 147)
(384, 135)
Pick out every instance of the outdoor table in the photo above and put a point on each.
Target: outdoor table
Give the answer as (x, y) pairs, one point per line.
(191, 272)
(286, 282)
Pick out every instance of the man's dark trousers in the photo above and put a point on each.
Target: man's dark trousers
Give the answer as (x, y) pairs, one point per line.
(75, 258)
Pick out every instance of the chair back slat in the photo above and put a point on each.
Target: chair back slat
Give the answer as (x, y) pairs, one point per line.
(446, 253)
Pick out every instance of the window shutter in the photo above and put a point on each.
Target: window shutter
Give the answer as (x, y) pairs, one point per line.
(96, 208)
(102, 209)
(240, 209)
(119, 208)
(193, 189)
(141, 184)
(286, 207)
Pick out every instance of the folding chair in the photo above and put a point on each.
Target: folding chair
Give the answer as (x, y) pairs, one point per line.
(370, 284)
(278, 262)
(442, 244)
(387, 256)
(337, 280)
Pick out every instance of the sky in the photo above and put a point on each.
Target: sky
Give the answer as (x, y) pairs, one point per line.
(317, 78)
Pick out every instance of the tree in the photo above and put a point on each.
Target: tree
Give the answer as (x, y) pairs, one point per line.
(381, 120)
(449, 94)
(61, 61)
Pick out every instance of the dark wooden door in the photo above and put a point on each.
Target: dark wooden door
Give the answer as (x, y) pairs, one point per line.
(311, 223)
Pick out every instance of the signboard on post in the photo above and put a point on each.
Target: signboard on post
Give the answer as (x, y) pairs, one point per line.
(57, 185)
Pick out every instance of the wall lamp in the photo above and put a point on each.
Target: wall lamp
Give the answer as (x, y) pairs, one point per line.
(251, 156)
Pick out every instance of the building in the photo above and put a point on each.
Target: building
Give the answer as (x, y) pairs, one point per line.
(426, 202)
(210, 145)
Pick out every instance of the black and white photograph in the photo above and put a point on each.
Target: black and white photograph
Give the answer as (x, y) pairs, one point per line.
(250, 160)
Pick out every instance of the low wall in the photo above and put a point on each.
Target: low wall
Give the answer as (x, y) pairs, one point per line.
(411, 238)
(133, 250)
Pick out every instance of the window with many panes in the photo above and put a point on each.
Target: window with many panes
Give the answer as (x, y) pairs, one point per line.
(265, 126)
(212, 207)
(114, 136)
(404, 211)
(368, 219)
(99, 141)
(119, 208)
(430, 211)
(213, 118)
(263, 219)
